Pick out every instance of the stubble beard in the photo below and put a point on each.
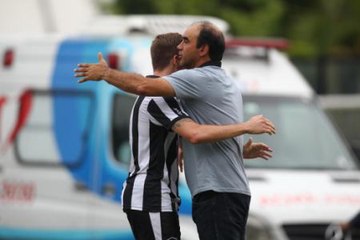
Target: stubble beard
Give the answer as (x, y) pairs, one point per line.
(186, 64)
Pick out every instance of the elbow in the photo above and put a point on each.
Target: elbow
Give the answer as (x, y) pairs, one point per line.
(195, 138)
(141, 90)
(147, 90)
(193, 133)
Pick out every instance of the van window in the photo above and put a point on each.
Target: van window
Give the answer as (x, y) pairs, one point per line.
(347, 120)
(305, 139)
(122, 106)
(55, 128)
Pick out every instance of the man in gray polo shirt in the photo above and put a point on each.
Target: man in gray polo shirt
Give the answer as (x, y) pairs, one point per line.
(218, 166)
(214, 171)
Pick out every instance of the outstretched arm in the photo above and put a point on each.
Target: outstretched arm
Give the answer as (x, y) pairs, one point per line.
(197, 133)
(129, 82)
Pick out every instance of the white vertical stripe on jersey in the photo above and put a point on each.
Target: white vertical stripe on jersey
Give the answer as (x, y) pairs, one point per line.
(132, 166)
(143, 153)
(143, 141)
(156, 225)
(137, 202)
(165, 108)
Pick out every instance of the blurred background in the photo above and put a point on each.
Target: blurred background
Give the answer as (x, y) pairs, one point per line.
(52, 36)
(324, 41)
(324, 36)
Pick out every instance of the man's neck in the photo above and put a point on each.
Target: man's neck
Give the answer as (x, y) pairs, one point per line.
(202, 62)
(211, 63)
(163, 72)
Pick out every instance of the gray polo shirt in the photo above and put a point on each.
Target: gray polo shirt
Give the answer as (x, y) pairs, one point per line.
(209, 96)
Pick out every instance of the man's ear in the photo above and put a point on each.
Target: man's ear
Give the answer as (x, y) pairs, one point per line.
(204, 50)
(176, 60)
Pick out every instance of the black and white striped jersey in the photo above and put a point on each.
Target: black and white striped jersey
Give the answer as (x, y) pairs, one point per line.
(153, 173)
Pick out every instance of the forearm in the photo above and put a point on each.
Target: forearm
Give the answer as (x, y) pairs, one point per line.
(136, 83)
(212, 133)
(129, 82)
(196, 133)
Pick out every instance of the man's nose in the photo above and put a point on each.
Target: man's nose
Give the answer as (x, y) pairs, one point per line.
(179, 47)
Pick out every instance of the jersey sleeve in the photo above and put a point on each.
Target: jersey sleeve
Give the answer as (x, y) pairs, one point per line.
(166, 110)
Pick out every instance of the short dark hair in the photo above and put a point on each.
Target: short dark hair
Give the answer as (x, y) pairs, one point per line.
(213, 37)
(163, 49)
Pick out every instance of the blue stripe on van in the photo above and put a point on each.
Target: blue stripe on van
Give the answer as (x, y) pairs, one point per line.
(96, 169)
(15, 233)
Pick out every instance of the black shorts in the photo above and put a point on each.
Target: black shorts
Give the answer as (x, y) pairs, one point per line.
(220, 216)
(154, 225)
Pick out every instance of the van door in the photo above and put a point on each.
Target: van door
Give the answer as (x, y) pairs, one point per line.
(39, 196)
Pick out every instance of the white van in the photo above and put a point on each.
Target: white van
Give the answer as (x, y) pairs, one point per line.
(312, 181)
(64, 150)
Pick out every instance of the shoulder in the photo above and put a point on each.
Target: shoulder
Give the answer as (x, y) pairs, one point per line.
(185, 73)
(161, 102)
(188, 77)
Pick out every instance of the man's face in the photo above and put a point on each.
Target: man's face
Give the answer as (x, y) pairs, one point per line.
(187, 48)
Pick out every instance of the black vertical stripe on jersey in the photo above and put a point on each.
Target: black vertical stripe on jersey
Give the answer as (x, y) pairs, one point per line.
(158, 114)
(135, 132)
(155, 172)
(170, 158)
(174, 105)
(135, 149)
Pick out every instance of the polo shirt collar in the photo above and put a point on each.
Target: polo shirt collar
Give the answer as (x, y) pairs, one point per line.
(211, 63)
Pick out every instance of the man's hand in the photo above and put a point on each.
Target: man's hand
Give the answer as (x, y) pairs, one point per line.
(92, 72)
(260, 124)
(256, 150)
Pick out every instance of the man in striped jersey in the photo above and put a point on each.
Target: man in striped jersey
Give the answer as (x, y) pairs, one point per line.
(214, 171)
(150, 195)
